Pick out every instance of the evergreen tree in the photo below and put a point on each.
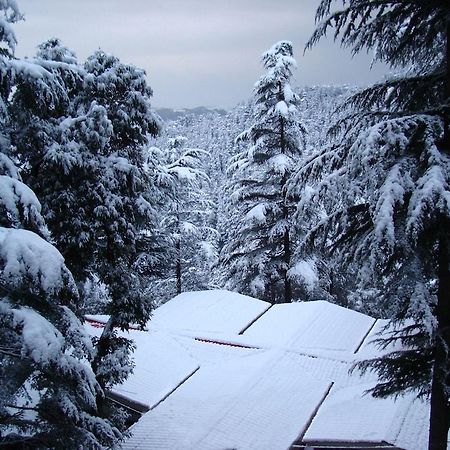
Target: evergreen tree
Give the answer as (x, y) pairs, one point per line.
(185, 216)
(48, 391)
(125, 210)
(215, 132)
(386, 189)
(59, 149)
(84, 156)
(260, 252)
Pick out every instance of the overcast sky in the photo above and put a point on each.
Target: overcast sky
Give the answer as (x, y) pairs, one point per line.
(195, 52)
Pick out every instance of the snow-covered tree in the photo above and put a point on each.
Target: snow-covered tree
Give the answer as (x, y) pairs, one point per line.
(216, 134)
(48, 395)
(48, 390)
(386, 189)
(185, 218)
(83, 154)
(124, 209)
(259, 255)
(53, 142)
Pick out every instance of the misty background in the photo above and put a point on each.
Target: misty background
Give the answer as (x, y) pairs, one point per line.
(195, 52)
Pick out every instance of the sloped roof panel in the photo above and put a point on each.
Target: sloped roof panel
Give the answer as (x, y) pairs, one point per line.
(210, 311)
(260, 401)
(245, 375)
(348, 414)
(313, 325)
(161, 365)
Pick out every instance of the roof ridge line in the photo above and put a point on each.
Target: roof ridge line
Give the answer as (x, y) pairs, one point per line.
(254, 321)
(313, 415)
(174, 389)
(358, 348)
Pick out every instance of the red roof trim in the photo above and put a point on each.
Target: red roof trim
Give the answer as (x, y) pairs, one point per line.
(98, 324)
(95, 323)
(230, 344)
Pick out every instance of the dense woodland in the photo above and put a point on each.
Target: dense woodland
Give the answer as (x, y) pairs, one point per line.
(331, 193)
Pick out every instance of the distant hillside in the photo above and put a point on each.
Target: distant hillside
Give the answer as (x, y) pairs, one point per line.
(175, 114)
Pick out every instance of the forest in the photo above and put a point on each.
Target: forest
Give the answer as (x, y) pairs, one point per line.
(332, 193)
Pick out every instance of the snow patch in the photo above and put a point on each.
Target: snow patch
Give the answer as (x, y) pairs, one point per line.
(306, 272)
(257, 214)
(25, 255)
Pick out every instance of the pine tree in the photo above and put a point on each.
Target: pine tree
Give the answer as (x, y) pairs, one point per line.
(185, 215)
(386, 188)
(84, 156)
(260, 252)
(60, 150)
(215, 132)
(125, 212)
(48, 391)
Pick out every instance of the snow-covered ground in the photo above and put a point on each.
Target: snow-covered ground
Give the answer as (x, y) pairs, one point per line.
(219, 370)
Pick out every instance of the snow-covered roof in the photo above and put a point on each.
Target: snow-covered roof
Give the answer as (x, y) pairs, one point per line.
(234, 404)
(208, 311)
(314, 325)
(218, 370)
(347, 415)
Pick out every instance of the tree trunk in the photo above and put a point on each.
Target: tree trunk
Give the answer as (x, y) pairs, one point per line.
(178, 250)
(440, 408)
(287, 261)
(287, 297)
(102, 348)
(178, 265)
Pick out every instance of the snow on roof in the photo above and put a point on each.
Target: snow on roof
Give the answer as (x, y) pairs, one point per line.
(235, 404)
(348, 415)
(219, 370)
(161, 364)
(319, 325)
(382, 328)
(214, 311)
(413, 432)
(216, 351)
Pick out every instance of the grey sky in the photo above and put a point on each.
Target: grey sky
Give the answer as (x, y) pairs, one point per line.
(196, 52)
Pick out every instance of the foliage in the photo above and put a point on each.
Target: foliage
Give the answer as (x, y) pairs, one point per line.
(385, 187)
(260, 249)
(48, 391)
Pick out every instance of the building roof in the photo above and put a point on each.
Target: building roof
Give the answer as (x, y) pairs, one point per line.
(218, 370)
